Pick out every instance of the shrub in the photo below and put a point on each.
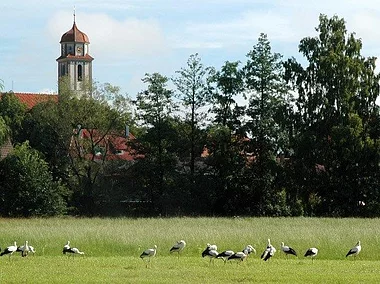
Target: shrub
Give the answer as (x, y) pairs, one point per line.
(27, 187)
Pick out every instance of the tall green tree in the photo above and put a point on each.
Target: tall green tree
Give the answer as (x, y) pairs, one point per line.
(193, 91)
(224, 136)
(155, 107)
(337, 92)
(266, 90)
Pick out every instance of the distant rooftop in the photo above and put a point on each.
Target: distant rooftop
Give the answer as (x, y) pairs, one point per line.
(31, 99)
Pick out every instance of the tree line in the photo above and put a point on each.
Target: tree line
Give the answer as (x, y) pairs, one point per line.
(265, 137)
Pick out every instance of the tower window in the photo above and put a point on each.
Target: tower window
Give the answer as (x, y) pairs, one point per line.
(80, 72)
(63, 70)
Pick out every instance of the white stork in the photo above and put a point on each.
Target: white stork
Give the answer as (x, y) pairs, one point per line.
(24, 249)
(210, 252)
(178, 247)
(225, 255)
(268, 252)
(355, 250)
(70, 250)
(9, 250)
(149, 253)
(312, 252)
(287, 250)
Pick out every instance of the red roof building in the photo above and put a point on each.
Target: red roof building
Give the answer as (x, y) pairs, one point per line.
(109, 147)
(31, 99)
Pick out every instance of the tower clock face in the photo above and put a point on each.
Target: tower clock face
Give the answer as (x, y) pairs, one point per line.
(79, 50)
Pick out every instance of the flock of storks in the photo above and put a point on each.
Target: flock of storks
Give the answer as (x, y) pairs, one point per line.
(211, 251)
(26, 249)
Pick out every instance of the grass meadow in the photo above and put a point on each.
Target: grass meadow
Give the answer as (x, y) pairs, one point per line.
(112, 247)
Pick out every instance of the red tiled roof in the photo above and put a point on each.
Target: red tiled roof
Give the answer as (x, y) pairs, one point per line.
(74, 35)
(119, 144)
(31, 99)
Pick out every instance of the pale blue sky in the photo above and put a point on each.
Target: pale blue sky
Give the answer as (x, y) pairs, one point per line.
(132, 37)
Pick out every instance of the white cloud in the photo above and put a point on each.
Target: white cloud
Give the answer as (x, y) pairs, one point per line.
(115, 39)
(244, 29)
(285, 22)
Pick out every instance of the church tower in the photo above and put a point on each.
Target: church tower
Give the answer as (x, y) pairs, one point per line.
(75, 63)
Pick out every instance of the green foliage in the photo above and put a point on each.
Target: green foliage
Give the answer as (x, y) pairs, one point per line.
(27, 187)
(267, 89)
(191, 84)
(56, 131)
(49, 131)
(155, 108)
(337, 91)
(224, 137)
(228, 85)
(193, 88)
(12, 111)
(155, 105)
(117, 101)
(3, 130)
(98, 122)
(226, 164)
(265, 129)
(94, 123)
